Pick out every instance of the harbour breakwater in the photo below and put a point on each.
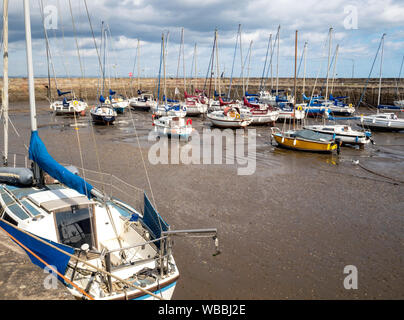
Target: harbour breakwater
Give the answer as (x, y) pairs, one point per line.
(88, 88)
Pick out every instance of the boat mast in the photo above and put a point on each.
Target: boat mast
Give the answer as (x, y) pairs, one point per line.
(265, 63)
(294, 85)
(398, 79)
(5, 80)
(217, 65)
(304, 67)
(334, 70)
(30, 69)
(380, 75)
(242, 65)
(277, 63)
(328, 64)
(138, 64)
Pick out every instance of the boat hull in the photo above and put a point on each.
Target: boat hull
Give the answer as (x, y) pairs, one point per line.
(102, 119)
(304, 145)
(232, 124)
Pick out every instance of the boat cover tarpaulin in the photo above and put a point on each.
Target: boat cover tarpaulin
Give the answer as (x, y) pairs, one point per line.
(50, 255)
(39, 154)
(153, 220)
(312, 135)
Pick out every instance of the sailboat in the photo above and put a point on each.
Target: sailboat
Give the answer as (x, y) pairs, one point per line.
(67, 102)
(168, 107)
(383, 121)
(100, 248)
(303, 139)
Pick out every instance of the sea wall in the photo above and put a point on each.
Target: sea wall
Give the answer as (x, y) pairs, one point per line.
(88, 88)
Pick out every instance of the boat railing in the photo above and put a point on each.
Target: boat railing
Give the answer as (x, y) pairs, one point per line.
(15, 160)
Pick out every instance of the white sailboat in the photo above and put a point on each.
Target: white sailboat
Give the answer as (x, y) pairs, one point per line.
(383, 121)
(99, 247)
(343, 133)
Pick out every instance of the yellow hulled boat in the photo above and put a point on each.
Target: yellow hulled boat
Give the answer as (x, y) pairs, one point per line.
(305, 140)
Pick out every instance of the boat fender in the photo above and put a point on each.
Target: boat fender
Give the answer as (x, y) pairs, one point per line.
(189, 122)
(17, 176)
(153, 116)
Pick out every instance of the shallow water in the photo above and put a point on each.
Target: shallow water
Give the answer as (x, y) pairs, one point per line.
(286, 231)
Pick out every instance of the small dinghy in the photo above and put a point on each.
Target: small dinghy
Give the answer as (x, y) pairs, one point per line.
(173, 127)
(230, 117)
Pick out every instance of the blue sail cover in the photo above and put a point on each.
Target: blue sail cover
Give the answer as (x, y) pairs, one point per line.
(39, 154)
(102, 99)
(48, 254)
(60, 93)
(151, 218)
(111, 92)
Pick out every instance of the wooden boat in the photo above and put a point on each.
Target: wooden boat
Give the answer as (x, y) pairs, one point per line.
(304, 140)
(344, 133)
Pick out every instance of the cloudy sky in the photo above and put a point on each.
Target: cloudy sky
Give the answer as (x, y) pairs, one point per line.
(357, 28)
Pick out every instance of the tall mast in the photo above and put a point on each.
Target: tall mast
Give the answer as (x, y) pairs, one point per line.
(265, 63)
(138, 64)
(380, 75)
(334, 70)
(248, 66)
(234, 58)
(398, 79)
(294, 90)
(5, 80)
(277, 64)
(183, 60)
(304, 67)
(164, 71)
(211, 66)
(328, 65)
(241, 60)
(218, 66)
(30, 69)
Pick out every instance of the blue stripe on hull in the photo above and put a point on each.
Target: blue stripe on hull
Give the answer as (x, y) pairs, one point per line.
(147, 296)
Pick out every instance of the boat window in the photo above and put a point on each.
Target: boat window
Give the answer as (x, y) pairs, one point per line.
(30, 207)
(74, 226)
(7, 218)
(18, 212)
